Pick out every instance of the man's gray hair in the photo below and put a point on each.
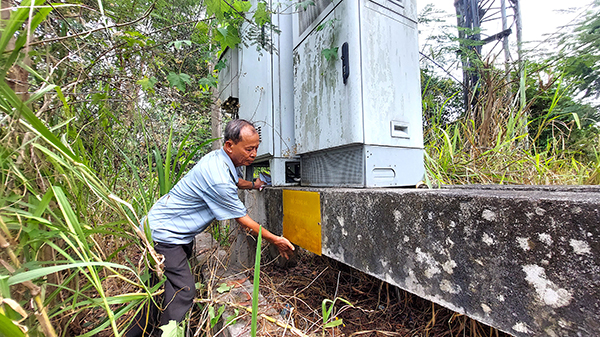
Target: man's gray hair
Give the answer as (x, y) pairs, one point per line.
(233, 129)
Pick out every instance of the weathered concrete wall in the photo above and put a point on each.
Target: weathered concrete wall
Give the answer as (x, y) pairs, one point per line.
(525, 260)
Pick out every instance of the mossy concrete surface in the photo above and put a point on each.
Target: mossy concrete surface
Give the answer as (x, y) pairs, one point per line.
(525, 260)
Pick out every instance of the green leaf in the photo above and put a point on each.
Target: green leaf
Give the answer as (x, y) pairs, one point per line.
(223, 288)
(9, 95)
(215, 7)
(222, 64)
(333, 323)
(16, 21)
(162, 182)
(147, 83)
(41, 272)
(262, 15)
(4, 287)
(134, 38)
(242, 6)
(70, 218)
(231, 320)
(328, 23)
(172, 329)
(214, 318)
(330, 53)
(256, 281)
(207, 82)
(227, 36)
(8, 328)
(577, 121)
(97, 97)
(41, 92)
(178, 44)
(179, 80)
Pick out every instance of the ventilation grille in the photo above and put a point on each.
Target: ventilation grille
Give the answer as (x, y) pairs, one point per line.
(343, 167)
(259, 131)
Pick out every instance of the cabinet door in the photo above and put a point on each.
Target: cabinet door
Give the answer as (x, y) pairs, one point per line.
(328, 112)
(391, 77)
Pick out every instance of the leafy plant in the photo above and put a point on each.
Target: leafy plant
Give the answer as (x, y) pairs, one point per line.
(223, 288)
(172, 329)
(327, 310)
(215, 317)
(233, 318)
(330, 53)
(220, 232)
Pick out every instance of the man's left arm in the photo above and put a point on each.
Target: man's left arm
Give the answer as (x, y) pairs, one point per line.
(247, 185)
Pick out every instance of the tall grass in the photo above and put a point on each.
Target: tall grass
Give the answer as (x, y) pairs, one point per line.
(63, 232)
(499, 143)
(50, 210)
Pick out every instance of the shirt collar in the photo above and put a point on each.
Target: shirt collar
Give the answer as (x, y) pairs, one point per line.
(228, 162)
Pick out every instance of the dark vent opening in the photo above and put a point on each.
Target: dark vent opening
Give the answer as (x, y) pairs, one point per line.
(258, 130)
(334, 167)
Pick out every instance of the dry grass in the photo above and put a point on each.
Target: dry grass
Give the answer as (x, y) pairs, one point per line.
(493, 143)
(379, 309)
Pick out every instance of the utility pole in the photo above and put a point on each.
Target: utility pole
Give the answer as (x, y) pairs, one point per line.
(469, 22)
(505, 40)
(522, 95)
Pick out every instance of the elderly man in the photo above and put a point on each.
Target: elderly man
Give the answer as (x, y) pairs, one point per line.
(207, 192)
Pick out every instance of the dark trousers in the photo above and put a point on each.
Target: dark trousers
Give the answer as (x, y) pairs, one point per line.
(180, 289)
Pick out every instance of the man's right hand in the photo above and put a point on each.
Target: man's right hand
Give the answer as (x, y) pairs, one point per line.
(259, 184)
(285, 247)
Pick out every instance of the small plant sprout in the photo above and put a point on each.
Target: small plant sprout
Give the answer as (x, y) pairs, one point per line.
(329, 319)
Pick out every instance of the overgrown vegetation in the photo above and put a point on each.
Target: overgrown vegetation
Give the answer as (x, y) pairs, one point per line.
(103, 106)
(554, 139)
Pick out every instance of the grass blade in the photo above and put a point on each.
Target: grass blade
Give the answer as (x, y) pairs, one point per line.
(256, 283)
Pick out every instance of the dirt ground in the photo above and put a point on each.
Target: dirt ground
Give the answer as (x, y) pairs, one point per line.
(378, 309)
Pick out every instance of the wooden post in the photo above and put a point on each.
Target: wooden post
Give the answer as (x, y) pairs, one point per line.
(216, 122)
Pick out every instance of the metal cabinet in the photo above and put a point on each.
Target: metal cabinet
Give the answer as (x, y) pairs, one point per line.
(340, 94)
(358, 113)
(265, 84)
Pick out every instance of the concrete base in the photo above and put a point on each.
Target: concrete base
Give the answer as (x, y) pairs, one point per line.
(525, 260)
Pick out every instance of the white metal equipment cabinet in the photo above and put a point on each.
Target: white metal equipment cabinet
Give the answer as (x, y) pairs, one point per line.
(358, 114)
(262, 80)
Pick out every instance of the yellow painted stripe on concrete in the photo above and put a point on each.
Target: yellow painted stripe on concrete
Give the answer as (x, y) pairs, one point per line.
(302, 219)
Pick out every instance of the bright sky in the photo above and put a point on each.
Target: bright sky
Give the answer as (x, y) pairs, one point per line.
(540, 17)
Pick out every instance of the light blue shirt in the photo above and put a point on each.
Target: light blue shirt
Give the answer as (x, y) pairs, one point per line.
(207, 192)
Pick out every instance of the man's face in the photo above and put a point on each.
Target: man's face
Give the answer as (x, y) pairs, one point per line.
(244, 152)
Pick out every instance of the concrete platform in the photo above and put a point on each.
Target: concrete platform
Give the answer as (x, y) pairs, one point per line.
(523, 259)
